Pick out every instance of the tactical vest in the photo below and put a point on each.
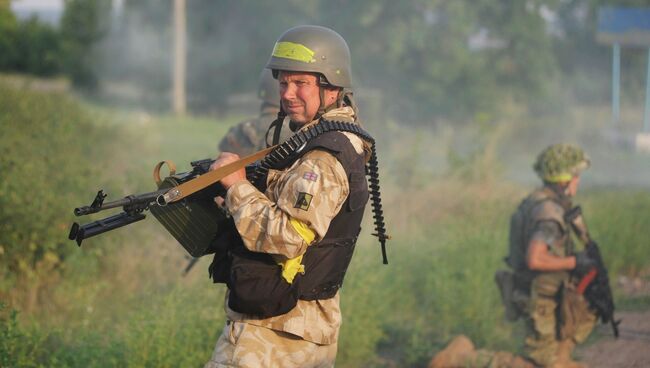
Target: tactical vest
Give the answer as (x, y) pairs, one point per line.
(254, 279)
(542, 205)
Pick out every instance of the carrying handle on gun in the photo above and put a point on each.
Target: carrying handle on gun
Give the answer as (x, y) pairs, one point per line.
(156, 170)
(192, 186)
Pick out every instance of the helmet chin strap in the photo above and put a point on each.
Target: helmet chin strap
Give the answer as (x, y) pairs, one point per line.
(276, 126)
(322, 109)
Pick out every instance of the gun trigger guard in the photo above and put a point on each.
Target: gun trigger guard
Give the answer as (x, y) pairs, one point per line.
(156, 171)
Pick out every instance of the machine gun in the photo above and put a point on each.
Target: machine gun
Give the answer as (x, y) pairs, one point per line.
(594, 284)
(183, 204)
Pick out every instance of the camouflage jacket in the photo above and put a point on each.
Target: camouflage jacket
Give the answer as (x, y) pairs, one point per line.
(281, 223)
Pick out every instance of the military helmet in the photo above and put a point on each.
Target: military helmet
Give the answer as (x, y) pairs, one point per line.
(561, 162)
(267, 90)
(313, 49)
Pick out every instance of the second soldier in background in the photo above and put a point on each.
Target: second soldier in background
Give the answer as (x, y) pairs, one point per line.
(250, 136)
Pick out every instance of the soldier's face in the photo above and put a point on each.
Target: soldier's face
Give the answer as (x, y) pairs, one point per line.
(299, 94)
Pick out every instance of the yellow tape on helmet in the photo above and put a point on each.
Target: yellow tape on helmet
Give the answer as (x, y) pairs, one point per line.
(293, 51)
(559, 178)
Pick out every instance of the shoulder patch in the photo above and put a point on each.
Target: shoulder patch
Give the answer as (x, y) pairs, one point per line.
(304, 201)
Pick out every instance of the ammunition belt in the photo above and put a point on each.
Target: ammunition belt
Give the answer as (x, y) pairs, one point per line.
(284, 153)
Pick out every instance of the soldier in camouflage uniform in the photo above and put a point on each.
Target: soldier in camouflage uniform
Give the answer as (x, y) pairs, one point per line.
(251, 135)
(543, 258)
(542, 288)
(312, 65)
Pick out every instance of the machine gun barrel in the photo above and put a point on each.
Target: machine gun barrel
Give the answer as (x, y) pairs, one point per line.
(133, 206)
(128, 201)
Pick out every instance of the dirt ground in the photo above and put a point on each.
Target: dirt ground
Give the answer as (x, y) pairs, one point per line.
(630, 350)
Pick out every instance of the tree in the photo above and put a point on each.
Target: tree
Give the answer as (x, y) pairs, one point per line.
(430, 58)
(8, 32)
(84, 23)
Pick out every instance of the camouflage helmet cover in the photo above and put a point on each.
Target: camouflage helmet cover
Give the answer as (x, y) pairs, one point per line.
(313, 49)
(267, 90)
(561, 162)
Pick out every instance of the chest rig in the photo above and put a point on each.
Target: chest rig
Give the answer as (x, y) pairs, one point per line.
(254, 279)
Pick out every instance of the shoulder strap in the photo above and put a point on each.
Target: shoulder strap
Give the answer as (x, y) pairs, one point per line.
(276, 125)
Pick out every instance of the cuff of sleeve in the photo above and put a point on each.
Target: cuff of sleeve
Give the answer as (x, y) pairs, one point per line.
(239, 193)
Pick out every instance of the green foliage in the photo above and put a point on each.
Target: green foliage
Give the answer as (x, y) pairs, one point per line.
(33, 47)
(170, 332)
(445, 286)
(9, 336)
(47, 154)
(616, 221)
(83, 24)
(174, 333)
(40, 48)
(480, 163)
(28, 46)
(364, 307)
(430, 58)
(8, 29)
(17, 346)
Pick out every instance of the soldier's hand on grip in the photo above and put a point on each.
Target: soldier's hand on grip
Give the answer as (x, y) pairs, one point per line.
(224, 159)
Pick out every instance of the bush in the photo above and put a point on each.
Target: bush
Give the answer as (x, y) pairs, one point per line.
(83, 24)
(16, 345)
(48, 152)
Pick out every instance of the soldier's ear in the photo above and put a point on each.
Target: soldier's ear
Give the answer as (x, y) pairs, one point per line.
(331, 94)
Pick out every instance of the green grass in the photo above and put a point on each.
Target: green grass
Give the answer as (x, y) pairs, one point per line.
(120, 300)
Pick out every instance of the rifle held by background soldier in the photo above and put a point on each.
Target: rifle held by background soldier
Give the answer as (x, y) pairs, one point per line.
(594, 284)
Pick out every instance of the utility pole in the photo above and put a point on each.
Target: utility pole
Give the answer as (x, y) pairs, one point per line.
(180, 52)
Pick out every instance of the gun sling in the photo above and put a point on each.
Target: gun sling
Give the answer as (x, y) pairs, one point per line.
(192, 186)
